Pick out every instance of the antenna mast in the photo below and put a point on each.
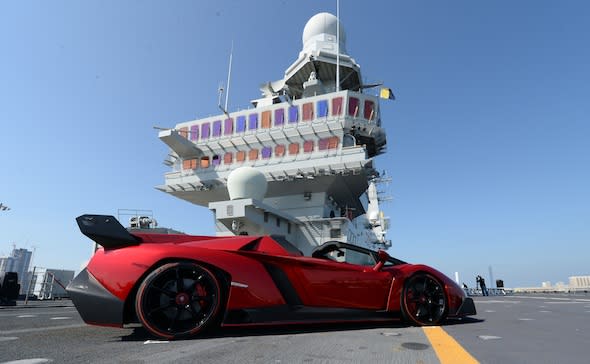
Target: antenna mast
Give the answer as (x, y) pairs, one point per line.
(337, 45)
(231, 53)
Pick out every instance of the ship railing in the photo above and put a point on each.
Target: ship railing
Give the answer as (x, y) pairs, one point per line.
(491, 291)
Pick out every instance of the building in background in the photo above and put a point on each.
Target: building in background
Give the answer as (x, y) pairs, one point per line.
(49, 284)
(18, 261)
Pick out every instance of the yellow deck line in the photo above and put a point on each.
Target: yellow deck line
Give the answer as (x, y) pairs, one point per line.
(446, 348)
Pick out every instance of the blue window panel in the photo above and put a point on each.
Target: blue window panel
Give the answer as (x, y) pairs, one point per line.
(266, 152)
(253, 121)
(293, 114)
(279, 117)
(322, 108)
(217, 128)
(241, 124)
(205, 130)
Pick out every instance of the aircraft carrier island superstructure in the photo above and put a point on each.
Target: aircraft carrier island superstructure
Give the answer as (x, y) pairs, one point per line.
(300, 163)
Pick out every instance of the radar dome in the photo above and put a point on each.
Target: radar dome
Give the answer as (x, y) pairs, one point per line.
(323, 23)
(246, 182)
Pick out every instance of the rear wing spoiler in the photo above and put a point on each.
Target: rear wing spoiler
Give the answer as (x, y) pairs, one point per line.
(106, 231)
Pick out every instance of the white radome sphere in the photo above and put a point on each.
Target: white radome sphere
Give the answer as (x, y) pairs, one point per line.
(246, 182)
(322, 23)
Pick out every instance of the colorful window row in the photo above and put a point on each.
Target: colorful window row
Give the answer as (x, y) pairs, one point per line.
(280, 150)
(264, 120)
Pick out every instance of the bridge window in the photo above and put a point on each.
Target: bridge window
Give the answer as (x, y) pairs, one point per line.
(216, 160)
(308, 111)
(205, 130)
(337, 106)
(253, 121)
(266, 119)
(293, 148)
(241, 156)
(189, 164)
(308, 146)
(353, 106)
(253, 154)
(183, 132)
(279, 117)
(241, 124)
(194, 135)
(266, 152)
(293, 114)
(217, 128)
(333, 142)
(369, 110)
(322, 108)
(204, 162)
(328, 143)
(280, 150)
(228, 128)
(227, 158)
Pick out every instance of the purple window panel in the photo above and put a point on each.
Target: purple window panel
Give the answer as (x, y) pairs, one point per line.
(205, 130)
(216, 160)
(228, 128)
(266, 152)
(241, 124)
(194, 135)
(323, 144)
(293, 114)
(322, 108)
(253, 121)
(279, 117)
(217, 128)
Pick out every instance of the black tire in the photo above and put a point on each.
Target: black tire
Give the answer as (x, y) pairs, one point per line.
(424, 301)
(178, 300)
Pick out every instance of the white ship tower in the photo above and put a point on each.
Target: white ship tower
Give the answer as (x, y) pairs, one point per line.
(300, 163)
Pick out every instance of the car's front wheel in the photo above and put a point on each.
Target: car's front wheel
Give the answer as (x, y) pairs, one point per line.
(423, 300)
(178, 300)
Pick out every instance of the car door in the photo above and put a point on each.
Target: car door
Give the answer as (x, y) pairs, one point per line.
(329, 283)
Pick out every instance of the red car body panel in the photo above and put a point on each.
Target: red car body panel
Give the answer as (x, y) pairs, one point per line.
(262, 277)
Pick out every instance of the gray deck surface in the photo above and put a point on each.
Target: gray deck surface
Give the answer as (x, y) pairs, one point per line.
(507, 329)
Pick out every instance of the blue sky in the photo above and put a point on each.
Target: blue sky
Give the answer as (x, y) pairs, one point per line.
(487, 141)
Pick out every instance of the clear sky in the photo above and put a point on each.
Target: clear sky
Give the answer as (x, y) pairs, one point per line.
(488, 140)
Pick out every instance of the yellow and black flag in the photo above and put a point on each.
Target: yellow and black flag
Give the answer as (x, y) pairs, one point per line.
(386, 93)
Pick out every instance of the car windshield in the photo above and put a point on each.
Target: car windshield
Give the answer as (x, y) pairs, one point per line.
(360, 258)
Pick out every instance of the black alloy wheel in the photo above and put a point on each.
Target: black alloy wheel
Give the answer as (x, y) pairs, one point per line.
(178, 300)
(423, 300)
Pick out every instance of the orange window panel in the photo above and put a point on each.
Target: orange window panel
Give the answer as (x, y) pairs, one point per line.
(337, 106)
(279, 150)
(186, 164)
(227, 158)
(333, 142)
(183, 132)
(253, 154)
(241, 156)
(308, 146)
(293, 148)
(266, 119)
(205, 162)
(308, 111)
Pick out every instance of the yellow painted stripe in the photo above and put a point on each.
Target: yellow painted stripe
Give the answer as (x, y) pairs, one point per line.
(447, 349)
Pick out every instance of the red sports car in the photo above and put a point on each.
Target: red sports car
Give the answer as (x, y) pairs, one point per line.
(179, 285)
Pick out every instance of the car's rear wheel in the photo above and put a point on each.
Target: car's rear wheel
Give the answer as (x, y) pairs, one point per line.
(423, 300)
(178, 300)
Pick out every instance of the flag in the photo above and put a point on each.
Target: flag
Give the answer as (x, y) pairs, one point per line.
(386, 93)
